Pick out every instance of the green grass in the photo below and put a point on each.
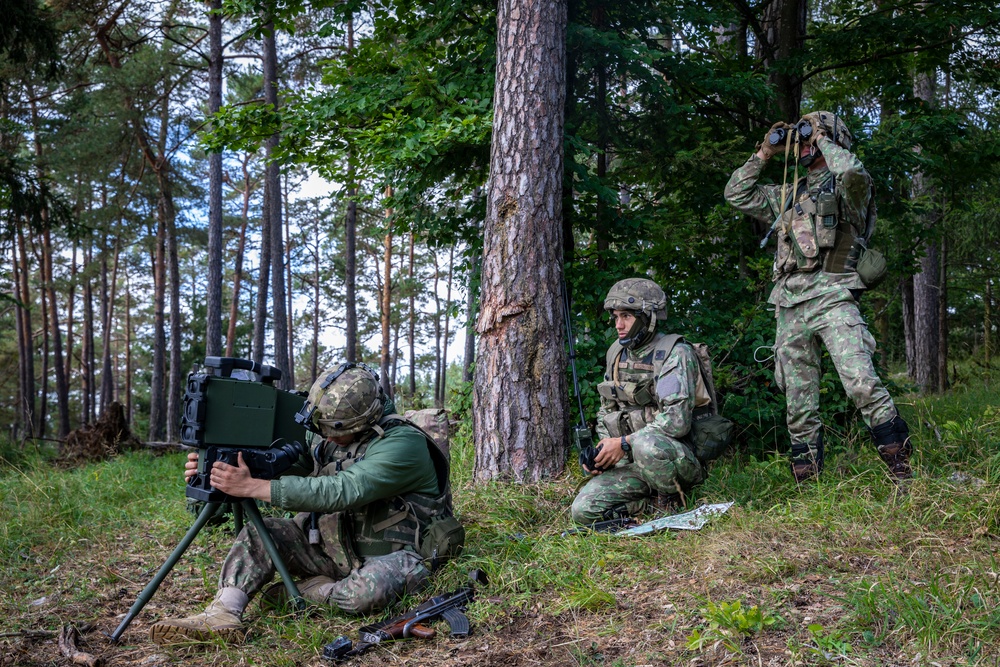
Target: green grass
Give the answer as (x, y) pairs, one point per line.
(842, 572)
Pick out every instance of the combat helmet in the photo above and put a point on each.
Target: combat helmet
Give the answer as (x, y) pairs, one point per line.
(343, 401)
(646, 299)
(833, 125)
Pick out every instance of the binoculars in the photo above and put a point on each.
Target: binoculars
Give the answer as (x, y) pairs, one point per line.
(802, 132)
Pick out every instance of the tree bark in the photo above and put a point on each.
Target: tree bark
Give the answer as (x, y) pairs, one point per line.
(926, 283)
(447, 322)
(437, 332)
(412, 323)
(272, 208)
(213, 296)
(519, 398)
(241, 245)
(469, 358)
(27, 340)
(386, 304)
(784, 26)
(350, 246)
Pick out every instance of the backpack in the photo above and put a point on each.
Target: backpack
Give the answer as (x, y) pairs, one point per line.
(711, 433)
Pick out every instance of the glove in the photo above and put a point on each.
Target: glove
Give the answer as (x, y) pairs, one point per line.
(818, 130)
(777, 134)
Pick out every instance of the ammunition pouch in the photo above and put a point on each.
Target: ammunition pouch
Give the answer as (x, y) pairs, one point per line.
(871, 267)
(442, 538)
(710, 434)
(632, 393)
(335, 531)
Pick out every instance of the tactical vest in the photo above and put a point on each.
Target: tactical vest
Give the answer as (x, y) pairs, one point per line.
(383, 526)
(815, 233)
(630, 385)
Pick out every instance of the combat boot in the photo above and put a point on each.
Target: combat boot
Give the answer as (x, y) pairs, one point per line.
(314, 589)
(804, 464)
(892, 440)
(218, 621)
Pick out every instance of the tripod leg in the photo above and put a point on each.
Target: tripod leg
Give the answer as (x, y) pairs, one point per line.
(250, 508)
(147, 593)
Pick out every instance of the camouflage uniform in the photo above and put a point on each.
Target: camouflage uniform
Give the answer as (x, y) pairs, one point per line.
(814, 277)
(353, 486)
(360, 538)
(649, 393)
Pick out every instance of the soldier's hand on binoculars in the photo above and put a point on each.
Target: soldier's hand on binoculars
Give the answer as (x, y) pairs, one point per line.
(770, 147)
(191, 466)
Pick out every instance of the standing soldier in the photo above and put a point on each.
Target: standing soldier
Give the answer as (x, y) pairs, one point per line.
(375, 483)
(648, 398)
(821, 229)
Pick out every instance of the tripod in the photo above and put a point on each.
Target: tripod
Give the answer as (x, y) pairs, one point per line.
(241, 506)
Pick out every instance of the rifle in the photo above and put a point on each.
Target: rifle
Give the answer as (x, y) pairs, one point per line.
(581, 432)
(449, 607)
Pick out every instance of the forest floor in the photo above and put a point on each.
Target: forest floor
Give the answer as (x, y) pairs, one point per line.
(841, 572)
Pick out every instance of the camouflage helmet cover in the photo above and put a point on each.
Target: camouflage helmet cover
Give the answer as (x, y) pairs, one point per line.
(345, 400)
(833, 125)
(640, 294)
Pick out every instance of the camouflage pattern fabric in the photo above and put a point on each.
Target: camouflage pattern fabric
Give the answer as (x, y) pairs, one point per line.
(662, 463)
(834, 320)
(812, 305)
(434, 421)
(379, 581)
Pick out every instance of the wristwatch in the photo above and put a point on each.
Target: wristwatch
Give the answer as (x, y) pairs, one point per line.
(627, 448)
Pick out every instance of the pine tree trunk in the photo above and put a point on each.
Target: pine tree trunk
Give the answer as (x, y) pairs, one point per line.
(108, 293)
(469, 357)
(412, 324)
(350, 247)
(241, 245)
(437, 333)
(157, 419)
(213, 295)
(926, 283)
(447, 322)
(386, 304)
(272, 208)
(71, 334)
(290, 310)
(784, 26)
(519, 397)
(27, 340)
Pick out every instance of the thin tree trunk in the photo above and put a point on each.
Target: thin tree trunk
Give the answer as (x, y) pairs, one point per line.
(412, 333)
(350, 245)
(156, 403)
(314, 362)
(926, 283)
(240, 250)
(213, 296)
(387, 302)
(987, 321)
(290, 324)
(437, 332)
(128, 351)
(27, 333)
(447, 321)
(272, 210)
(108, 297)
(520, 422)
(942, 334)
(470, 325)
(70, 334)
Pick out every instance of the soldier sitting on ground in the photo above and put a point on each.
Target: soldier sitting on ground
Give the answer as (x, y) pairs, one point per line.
(648, 399)
(376, 484)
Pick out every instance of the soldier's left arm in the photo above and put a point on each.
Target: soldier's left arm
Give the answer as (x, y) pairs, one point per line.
(397, 464)
(852, 179)
(676, 386)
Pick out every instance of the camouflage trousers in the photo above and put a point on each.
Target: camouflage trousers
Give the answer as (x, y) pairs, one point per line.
(380, 581)
(834, 320)
(661, 465)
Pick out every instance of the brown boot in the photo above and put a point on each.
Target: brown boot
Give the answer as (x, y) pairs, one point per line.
(806, 464)
(892, 440)
(215, 622)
